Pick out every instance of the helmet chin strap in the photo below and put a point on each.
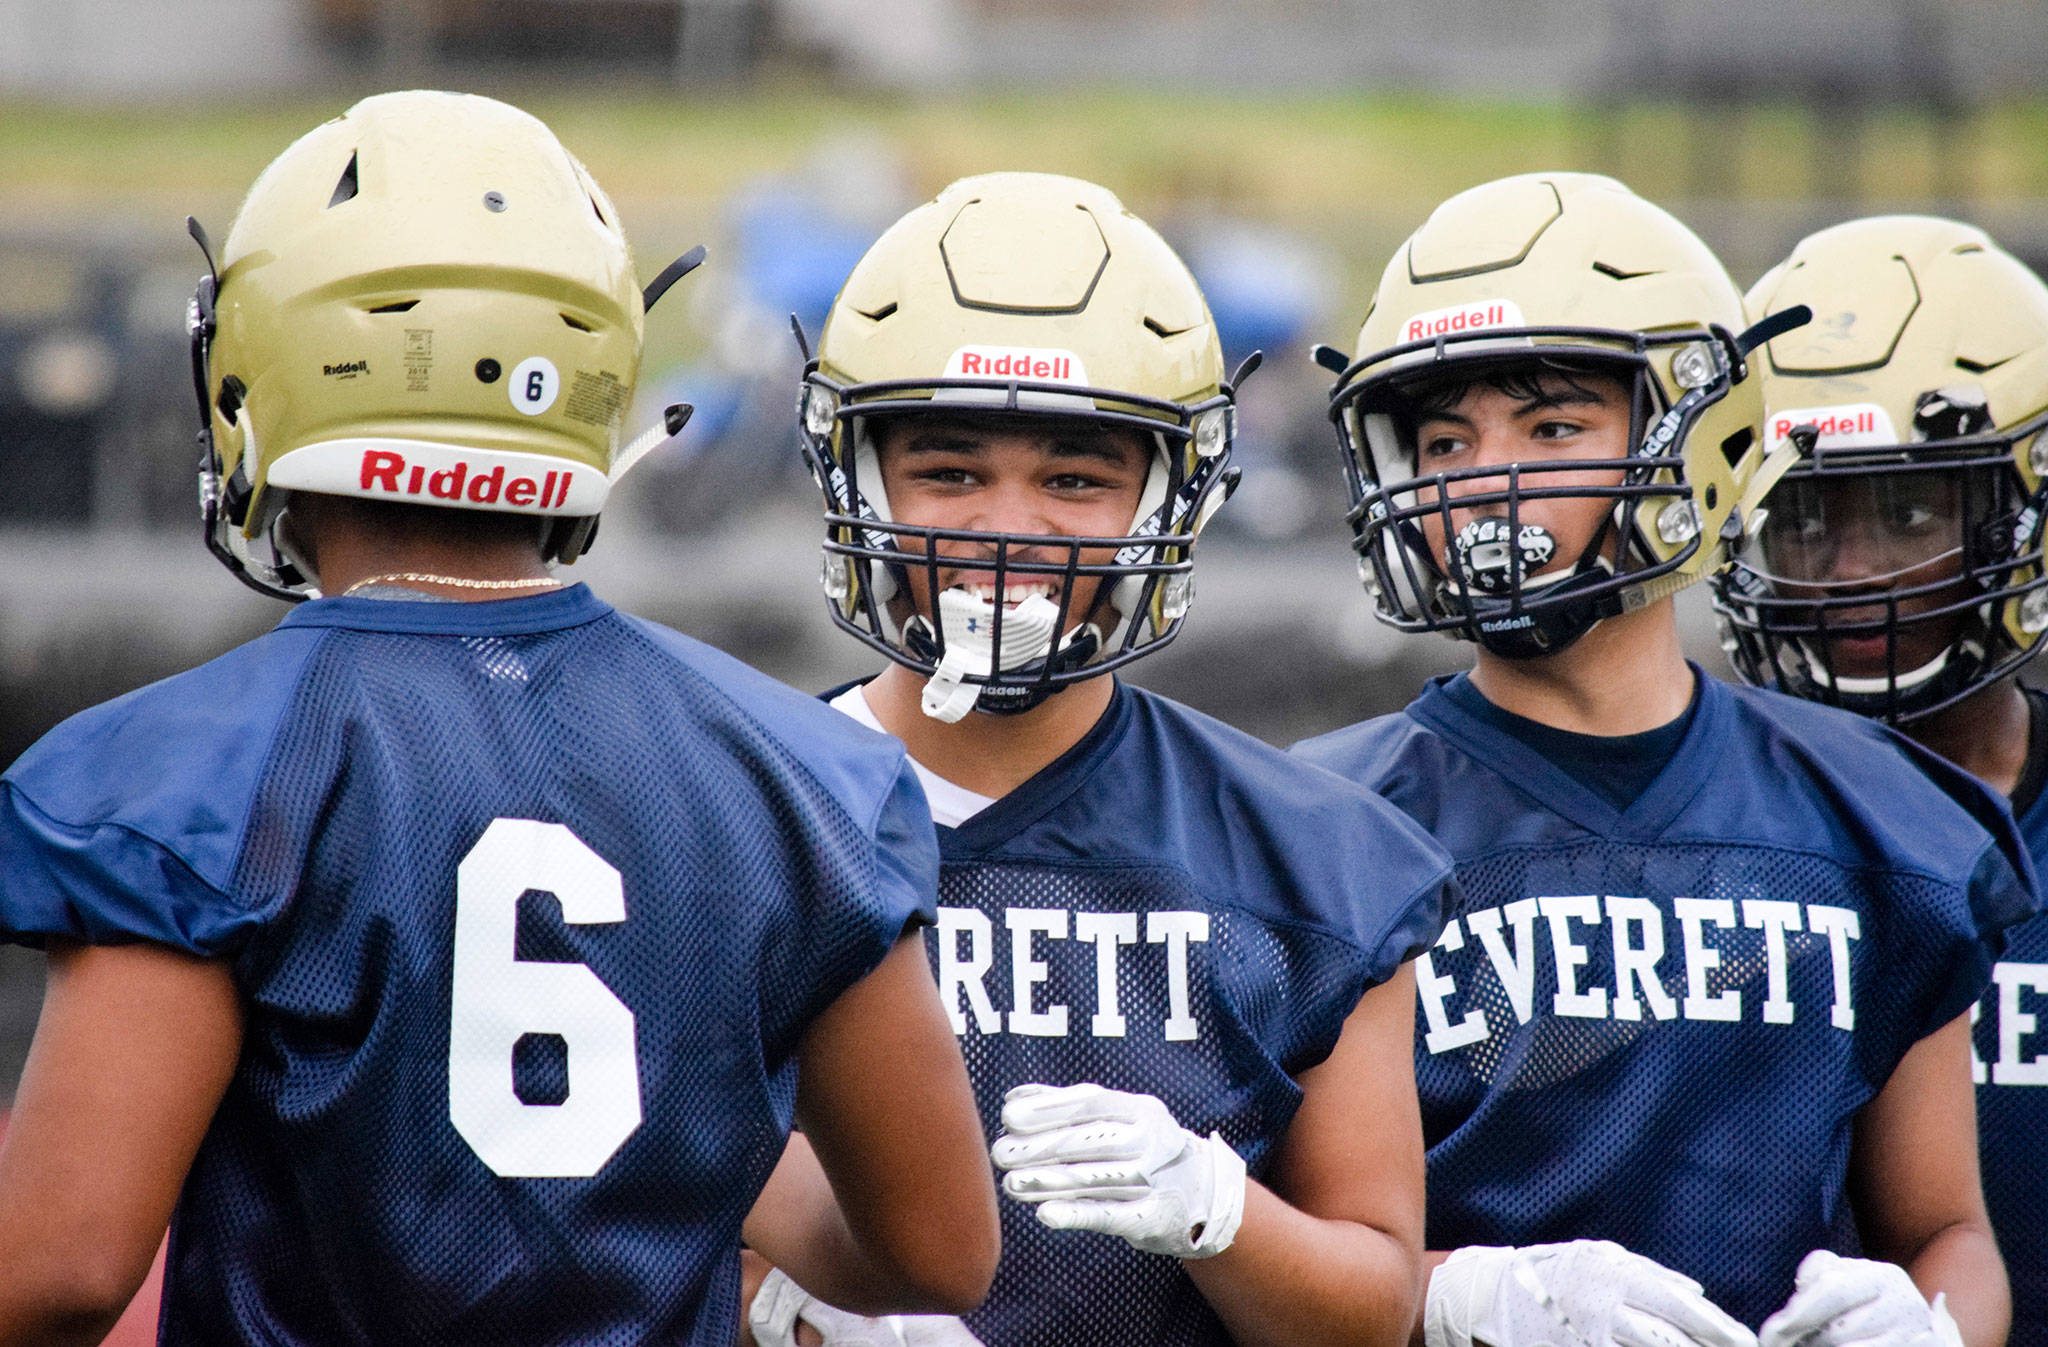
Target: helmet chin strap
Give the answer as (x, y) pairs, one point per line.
(968, 625)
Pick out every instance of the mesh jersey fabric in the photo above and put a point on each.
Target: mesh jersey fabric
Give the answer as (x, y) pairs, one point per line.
(1656, 1025)
(1176, 909)
(2012, 1098)
(312, 807)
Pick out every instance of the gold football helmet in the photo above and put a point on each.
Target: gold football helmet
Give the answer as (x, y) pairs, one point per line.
(1018, 294)
(425, 300)
(1899, 565)
(1563, 271)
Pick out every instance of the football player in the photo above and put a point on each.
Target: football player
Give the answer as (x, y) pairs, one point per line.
(1176, 958)
(455, 955)
(1898, 573)
(1704, 1008)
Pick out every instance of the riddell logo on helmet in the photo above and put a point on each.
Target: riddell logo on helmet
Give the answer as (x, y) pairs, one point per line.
(347, 368)
(1023, 363)
(1462, 318)
(1854, 425)
(386, 471)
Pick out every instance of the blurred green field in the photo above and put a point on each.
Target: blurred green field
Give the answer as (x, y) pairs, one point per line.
(1312, 159)
(1354, 172)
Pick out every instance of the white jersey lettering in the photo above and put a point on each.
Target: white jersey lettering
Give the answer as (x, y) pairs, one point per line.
(1636, 965)
(1639, 939)
(1027, 972)
(1840, 925)
(1516, 968)
(1108, 930)
(1434, 989)
(1561, 912)
(1775, 917)
(1177, 929)
(957, 975)
(1702, 959)
(2015, 1024)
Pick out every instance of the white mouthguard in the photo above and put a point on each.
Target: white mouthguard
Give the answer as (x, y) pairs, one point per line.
(969, 627)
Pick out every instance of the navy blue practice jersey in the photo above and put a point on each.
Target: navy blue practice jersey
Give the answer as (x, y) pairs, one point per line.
(2012, 1104)
(528, 903)
(1656, 1025)
(1176, 909)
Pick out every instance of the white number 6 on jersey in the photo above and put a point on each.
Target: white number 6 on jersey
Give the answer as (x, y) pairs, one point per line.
(498, 999)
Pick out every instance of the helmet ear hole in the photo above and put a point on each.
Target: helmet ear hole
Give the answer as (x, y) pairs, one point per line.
(346, 188)
(232, 393)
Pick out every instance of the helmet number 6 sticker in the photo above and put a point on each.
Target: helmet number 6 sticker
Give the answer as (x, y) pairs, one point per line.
(533, 385)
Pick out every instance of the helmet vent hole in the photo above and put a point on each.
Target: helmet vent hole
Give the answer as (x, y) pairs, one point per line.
(1161, 330)
(576, 323)
(1966, 248)
(344, 190)
(1608, 269)
(598, 211)
(879, 314)
(229, 402)
(401, 306)
(1978, 366)
(1734, 447)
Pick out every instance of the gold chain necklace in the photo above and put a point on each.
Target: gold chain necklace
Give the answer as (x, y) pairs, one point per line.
(460, 582)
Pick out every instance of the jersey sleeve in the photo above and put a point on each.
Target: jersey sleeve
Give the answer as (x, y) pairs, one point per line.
(105, 884)
(862, 890)
(124, 823)
(2001, 891)
(907, 855)
(1403, 879)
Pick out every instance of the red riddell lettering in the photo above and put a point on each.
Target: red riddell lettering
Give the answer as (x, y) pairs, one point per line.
(485, 486)
(1015, 365)
(380, 465)
(382, 470)
(1863, 423)
(1458, 320)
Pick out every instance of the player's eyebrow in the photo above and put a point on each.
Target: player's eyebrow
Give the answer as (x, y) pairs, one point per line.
(938, 441)
(1088, 446)
(942, 440)
(1563, 395)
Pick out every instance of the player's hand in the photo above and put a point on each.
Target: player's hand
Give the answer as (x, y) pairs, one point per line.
(780, 1305)
(1586, 1293)
(1103, 1160)
(1856, 1302)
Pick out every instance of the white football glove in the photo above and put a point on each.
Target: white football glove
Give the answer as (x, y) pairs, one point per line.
(780, 1303)
(1586, 1293)
(1856, 1302)
(934, 1330)
(1099, 1159)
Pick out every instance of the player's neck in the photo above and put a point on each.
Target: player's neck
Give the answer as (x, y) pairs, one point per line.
(989, 755)
(346, 561)
(1627, 675)
(1985, 734)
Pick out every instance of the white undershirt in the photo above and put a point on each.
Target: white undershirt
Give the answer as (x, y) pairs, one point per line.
(951, 805)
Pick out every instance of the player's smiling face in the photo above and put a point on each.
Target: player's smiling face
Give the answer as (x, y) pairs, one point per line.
(1037, 476)
(1545, 417)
